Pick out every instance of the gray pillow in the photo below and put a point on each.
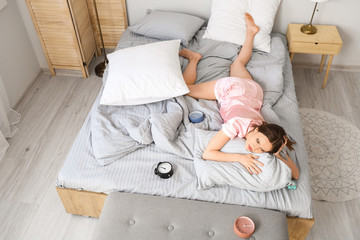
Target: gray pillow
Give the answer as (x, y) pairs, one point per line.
(275, 173)
(168, 26)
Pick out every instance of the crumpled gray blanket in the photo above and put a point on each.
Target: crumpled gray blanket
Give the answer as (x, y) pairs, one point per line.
(119, 130)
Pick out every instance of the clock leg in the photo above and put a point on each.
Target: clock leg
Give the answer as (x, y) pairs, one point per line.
(327, 70)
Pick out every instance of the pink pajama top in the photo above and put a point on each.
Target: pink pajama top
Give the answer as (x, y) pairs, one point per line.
(240, 102)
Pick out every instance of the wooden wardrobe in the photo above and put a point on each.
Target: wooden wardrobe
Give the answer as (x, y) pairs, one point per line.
(65, 31)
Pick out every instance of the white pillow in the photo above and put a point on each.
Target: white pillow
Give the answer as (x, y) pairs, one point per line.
(275, 173)
(227, 21)
(144, 74)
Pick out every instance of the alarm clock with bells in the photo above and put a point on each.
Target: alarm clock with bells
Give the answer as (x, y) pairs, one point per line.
(164, 170)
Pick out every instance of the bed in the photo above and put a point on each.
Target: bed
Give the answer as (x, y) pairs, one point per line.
(161, 131)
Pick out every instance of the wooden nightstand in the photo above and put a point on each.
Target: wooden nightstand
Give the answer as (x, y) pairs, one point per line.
(326, 41)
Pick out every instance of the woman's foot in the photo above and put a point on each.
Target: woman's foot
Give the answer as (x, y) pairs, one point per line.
(190, 55)
(251, 27)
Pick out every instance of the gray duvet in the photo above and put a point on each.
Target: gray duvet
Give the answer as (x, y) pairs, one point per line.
(119, 130)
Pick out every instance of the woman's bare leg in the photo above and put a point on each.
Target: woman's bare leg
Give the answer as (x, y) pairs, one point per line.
(237, 68)
(190, 72)
(201, 90)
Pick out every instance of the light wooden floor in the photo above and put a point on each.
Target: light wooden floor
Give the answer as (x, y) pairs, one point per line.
(52, 114)
(341, 97)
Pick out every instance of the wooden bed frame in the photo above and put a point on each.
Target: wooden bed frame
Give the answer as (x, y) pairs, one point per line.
(91, 203)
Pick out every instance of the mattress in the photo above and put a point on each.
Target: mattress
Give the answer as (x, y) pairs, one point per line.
(134, 172)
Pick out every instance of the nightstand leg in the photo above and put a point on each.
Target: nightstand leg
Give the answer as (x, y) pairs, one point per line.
(291, 56)
(322, 63)
(327, 70)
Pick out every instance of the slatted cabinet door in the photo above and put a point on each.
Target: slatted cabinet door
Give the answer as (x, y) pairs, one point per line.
(84, 31)
(113, 21)
(65, 32)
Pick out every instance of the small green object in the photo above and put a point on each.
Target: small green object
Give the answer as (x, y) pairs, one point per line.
(291, 185)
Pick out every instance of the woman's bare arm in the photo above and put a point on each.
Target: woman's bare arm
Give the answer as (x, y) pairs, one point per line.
(294, 170)
(212, 152)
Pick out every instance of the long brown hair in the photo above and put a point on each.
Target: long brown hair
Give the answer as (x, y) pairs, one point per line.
(276, 135)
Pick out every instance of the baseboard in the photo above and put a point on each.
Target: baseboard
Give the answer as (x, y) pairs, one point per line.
(27, 91)
(333, 67)
(77, 73)
(63, 72)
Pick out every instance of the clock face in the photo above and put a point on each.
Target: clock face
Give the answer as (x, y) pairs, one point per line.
(164, 170)
(244, 226)
(164, 167)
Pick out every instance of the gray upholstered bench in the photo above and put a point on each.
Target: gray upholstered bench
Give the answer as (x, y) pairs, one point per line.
(134, 217)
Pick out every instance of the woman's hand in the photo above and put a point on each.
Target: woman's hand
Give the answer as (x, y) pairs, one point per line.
(294, 170)
(251, 163)
(277, 154)
(212, 152)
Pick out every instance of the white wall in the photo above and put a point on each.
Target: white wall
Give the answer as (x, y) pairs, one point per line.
(19, 65)
(342, 13)
(29, 25)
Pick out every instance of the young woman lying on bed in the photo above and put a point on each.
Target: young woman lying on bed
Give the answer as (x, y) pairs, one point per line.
(240, 99)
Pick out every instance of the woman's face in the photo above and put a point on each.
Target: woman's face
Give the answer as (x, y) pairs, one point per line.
(257, 142)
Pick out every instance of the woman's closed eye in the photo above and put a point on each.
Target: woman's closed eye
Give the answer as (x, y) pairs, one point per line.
(258, 142)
